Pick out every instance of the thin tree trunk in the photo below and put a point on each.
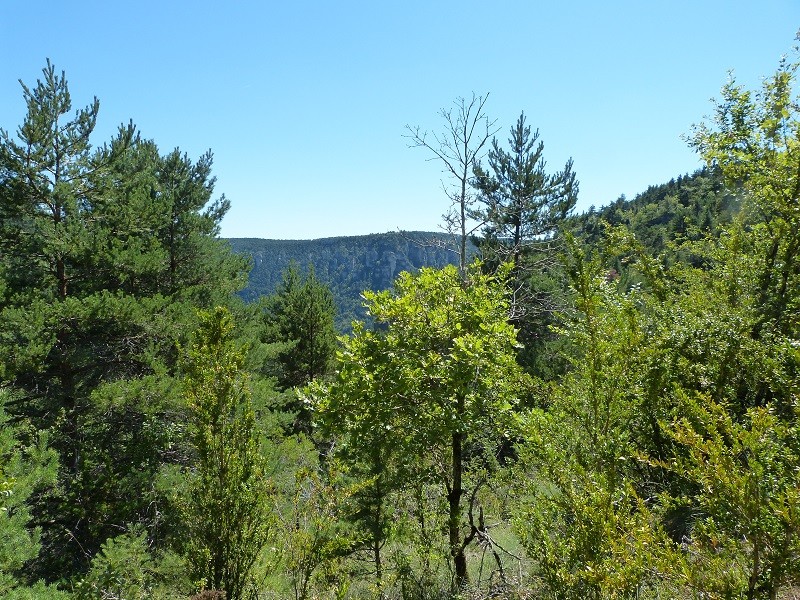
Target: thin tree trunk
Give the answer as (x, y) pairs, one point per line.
(463, 207)
(376, 537)
(454, 500)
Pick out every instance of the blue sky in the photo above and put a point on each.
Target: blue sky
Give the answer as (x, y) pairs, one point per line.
(304, 103)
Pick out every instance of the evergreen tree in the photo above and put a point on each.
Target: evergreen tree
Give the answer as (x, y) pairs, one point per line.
(523, 205)
(25, 469)
(298, 322)
(522, 208)
(228, 511)
(301, 312)
(93, 308)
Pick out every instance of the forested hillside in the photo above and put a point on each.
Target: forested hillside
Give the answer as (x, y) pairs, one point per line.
(348, 265)
(688, 206)
(602, 406)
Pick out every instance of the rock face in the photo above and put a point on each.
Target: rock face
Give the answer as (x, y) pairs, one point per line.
(349, 265)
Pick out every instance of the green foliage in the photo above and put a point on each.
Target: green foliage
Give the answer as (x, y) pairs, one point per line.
(430, 393)
(746, 492)
(688, 207)
(318, 538)
(523, 209)
(738, 432)
(106, 252)
(656, 456)
(301, 315)
(523, 204)
(754, 140)
(38, 591)
(26, 469)
(589, 531)
(124, 568)
(450, 350)
(47, 176)
(713, 386)
(229, 509)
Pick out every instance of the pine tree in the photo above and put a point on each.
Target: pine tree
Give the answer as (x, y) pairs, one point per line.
(92, 308)
(302, 314)
(523, 204)
(522, 208)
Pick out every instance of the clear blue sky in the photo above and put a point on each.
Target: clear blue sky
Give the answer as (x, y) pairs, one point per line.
(304, 103)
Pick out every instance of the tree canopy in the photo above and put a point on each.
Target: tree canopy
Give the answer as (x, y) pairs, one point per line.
(632, 433)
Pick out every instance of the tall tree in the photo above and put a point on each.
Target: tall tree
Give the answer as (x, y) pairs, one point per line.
(458, 148)
(189, 226)
(522, 207)
(48, 195)
(228, 511)
(48, 176)
(91, 312)
(523, 204)
(446, 378)
(298, 322)
(373, 456)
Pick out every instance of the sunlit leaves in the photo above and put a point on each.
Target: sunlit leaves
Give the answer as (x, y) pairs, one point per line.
(228, 513)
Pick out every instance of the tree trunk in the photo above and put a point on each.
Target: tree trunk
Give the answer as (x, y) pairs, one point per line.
(376, 537)
(462, 258)
(454, 500)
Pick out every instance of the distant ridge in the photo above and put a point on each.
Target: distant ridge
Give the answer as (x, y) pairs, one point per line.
(349, 264)
(688, 206)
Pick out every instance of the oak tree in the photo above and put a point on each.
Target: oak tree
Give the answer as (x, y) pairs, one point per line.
(434, 387)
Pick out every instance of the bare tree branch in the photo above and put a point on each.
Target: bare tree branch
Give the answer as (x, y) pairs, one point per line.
(459, 148)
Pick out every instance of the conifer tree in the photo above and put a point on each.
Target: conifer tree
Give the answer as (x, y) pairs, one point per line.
(302, 313)
(228, 511)
(25, 469)
(523, 204)
(91, 308)
(522, 207)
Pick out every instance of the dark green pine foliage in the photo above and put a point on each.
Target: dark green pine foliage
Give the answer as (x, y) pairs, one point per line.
(25, 469)
(301, 314)
(190, 228)
(523, 207)
(106, 251)
(298, 327)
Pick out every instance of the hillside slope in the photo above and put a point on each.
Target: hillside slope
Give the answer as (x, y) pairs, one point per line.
(688, 206)
(349, 265)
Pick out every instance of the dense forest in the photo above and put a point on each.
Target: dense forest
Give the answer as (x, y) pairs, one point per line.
(601, 405)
